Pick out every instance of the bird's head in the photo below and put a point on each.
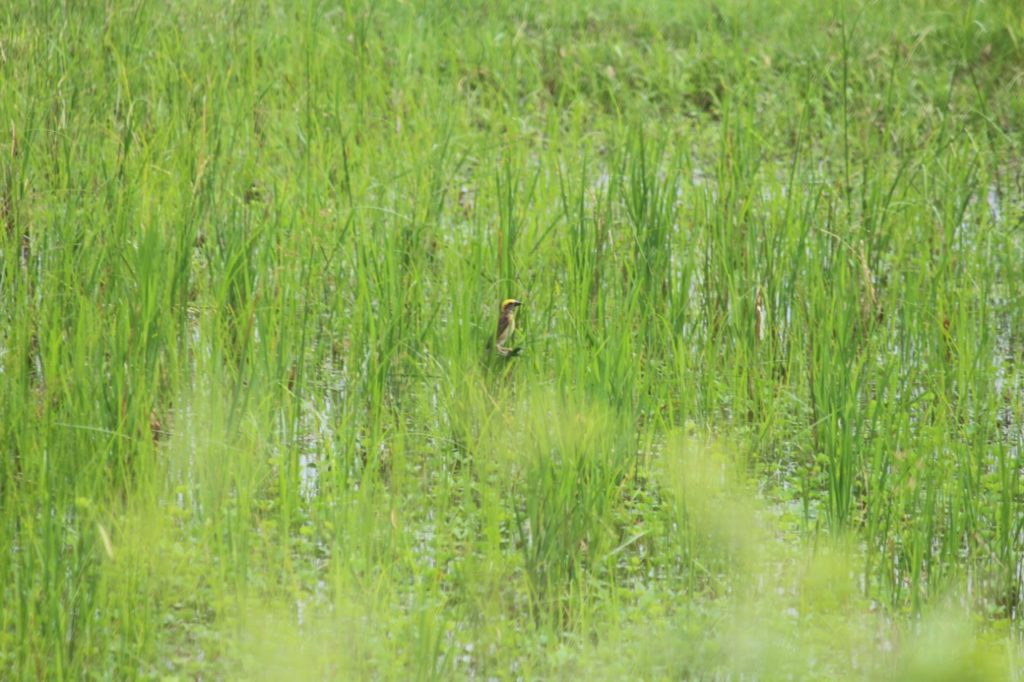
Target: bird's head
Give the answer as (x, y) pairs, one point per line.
(510, 304)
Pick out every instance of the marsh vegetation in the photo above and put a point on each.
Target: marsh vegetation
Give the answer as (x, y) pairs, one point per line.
(768, 417)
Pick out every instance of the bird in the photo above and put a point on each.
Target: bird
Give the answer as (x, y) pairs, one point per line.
(506, 326)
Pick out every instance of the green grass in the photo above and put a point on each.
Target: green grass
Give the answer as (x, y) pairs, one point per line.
(769, 418)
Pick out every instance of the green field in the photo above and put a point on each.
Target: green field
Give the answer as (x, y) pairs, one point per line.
(768, 419)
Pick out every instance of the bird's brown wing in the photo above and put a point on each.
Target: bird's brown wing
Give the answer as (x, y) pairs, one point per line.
(503, 322)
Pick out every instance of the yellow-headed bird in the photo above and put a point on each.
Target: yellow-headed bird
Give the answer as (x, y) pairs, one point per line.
(506, 325)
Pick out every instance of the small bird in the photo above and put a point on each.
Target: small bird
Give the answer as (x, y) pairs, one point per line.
(506, 326)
